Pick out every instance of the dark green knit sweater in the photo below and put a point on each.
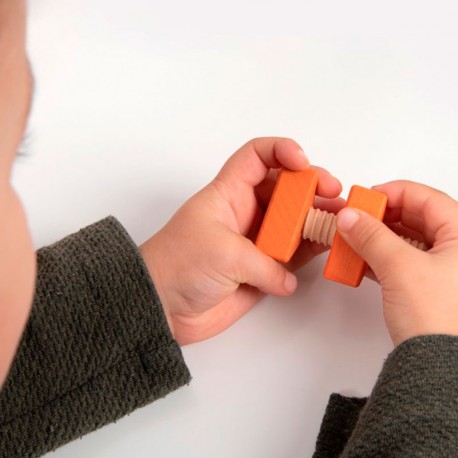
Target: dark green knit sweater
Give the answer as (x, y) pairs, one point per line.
(97, 346)
(412, 411)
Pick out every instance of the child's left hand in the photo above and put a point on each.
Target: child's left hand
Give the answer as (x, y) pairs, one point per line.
(204, 265)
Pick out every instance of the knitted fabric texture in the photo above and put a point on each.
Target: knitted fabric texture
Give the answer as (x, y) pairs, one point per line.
(338, 423)
(412, 411)
(96, 347)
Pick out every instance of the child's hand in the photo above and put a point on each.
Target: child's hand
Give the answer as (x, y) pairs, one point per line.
(420, 290)
(207, 271)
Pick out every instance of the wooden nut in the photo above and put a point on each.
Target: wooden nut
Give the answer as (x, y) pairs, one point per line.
(281, 230)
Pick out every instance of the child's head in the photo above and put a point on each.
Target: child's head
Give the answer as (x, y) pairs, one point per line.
(17, 260)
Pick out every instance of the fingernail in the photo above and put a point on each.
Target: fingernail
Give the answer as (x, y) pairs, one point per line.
(290, 282)
(346, 218)
(338, 181)
(301, 153)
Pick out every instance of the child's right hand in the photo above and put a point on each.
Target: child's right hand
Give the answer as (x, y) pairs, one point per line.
(420, 289)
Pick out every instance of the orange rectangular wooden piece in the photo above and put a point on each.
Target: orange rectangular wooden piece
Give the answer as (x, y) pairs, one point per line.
(281, 230)
(344, 265)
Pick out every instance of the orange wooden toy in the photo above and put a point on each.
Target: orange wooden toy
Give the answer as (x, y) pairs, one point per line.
(281, 230)
(344, 265)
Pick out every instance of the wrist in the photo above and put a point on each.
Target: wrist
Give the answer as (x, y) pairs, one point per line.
(146, 251)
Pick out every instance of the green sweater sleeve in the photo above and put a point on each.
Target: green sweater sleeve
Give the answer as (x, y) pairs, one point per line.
(412, 411)
(96, 347)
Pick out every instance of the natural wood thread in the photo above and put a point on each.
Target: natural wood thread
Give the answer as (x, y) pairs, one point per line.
(320, 227)
(415, 243)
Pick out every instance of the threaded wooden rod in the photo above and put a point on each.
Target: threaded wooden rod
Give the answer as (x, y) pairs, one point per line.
(320, 227)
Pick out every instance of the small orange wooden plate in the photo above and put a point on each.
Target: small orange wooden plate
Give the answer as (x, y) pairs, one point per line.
(281, 230)
(344, 265)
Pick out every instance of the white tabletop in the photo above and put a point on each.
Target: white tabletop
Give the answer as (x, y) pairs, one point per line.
(138, 104)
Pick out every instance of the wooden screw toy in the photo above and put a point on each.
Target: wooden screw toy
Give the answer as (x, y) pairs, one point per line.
(291, 217)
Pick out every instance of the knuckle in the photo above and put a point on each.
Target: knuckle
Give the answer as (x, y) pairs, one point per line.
(369, 236)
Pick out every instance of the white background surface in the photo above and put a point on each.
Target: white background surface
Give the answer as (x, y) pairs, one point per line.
(138, 104)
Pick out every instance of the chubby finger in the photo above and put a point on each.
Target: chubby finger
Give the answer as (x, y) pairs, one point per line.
(408, 219)
(259, 270)
(329, 205)
(372, 240)
(328, 185)
(265, 189)
(408, 233)
(251, 163)
(429, 210)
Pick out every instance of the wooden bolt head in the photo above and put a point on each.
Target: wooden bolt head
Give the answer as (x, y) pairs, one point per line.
(281, 229)
(344, 265)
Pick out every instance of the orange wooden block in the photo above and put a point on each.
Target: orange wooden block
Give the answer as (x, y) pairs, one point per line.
(344, 265)
(281, 230)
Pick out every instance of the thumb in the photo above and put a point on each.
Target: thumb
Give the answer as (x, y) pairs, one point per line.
(370, 239)
(264, 273)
